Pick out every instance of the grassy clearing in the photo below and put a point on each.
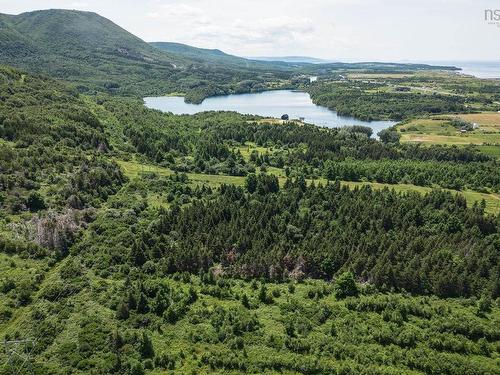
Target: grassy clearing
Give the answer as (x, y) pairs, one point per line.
(438, 130)
(276, 121)
(458, 139)
(491, 150)
(133, 169)
(249, 147)
(215, 180)
(378, 75)
(492, 200)
(489, 121)
(176, 94)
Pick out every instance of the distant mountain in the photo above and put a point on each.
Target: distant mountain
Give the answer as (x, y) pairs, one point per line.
(218, 56)
(195, 52)
(293, 59)
(313, 64)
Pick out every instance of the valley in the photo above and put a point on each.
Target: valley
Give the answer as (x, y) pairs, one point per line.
(135, 239)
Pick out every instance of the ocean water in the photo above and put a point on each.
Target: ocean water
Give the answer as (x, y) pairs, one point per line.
(479, 69)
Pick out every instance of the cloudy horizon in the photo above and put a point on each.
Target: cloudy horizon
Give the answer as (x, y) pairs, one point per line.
(376, 30)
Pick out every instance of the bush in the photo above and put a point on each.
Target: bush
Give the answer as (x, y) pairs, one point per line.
(345, 286)
(35, 202)
(146, 348)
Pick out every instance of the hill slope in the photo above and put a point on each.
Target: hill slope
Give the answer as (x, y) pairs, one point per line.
(82, 47)
(92, 51)
(111, 263)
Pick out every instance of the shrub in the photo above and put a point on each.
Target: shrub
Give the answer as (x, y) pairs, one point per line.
(345, 286)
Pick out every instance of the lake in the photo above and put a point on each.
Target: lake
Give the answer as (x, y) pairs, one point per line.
(267, 104)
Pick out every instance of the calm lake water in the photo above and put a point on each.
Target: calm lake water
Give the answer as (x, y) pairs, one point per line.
(268, 104)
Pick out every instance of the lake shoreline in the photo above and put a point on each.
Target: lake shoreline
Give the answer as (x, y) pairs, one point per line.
(295, 103)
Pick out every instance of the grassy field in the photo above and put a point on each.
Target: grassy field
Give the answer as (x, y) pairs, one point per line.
(488, 121)
(276, 121)
(378, 75)
(491, 150)
(249, 147)
(492, 200)
(452, 139)
(133, 169)
(438, 130)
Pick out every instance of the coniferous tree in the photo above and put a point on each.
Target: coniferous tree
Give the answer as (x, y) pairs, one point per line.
(146, 348)
(122, 312)
(345, 285)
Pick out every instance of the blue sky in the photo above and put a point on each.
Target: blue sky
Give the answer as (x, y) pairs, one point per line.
(383, 30)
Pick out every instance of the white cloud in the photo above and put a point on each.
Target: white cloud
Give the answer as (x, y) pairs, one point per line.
(355, 29)
(180, 10)
(269, 31)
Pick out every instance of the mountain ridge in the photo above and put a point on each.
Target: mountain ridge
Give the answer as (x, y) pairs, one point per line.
(219, 56)
(94, 53)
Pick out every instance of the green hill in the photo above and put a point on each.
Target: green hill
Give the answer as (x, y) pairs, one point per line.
(82, 47)
(95, 53)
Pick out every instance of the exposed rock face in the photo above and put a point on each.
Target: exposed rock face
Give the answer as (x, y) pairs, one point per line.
(102, 148)
(298, 272)
(52, 230)
(55, 231)
(294, 269)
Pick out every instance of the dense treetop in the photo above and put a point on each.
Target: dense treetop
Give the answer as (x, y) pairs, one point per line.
(136, 241)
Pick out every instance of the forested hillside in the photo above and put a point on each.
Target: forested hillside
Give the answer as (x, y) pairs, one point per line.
(95, 53)
(215, 56)
(139, 242)
(403, 94)
(133, 241)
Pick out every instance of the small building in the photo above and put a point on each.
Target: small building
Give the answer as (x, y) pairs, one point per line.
(285, 117)
(463, 129)
(475, 125)
(402, 88)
